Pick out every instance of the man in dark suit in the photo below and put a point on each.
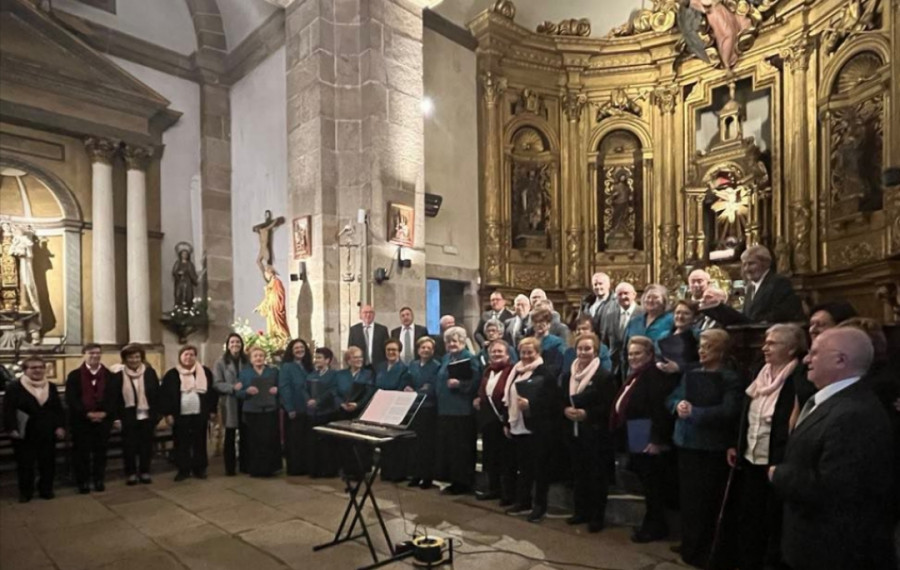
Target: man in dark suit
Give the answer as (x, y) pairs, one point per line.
(599, 302)
(520, 324)
(835, 479)
(498, 311)
(616, 321)
(769, 297)
(369, 336)
(408, 333)
(94, 399)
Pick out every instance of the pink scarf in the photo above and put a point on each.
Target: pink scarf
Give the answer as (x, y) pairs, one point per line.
(520, 373)
(768, 385)
(193, 380)
(579, 380)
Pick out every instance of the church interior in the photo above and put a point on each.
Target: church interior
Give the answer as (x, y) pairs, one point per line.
(175, 170)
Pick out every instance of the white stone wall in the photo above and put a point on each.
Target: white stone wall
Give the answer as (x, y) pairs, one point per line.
(451, 152)
(165, 23)
(258, 180)
(180, 164)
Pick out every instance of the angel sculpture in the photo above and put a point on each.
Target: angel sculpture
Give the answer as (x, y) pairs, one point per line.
(725, 26)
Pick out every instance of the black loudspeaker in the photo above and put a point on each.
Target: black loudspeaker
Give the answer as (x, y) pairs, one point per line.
(889, 178)
(432, 205)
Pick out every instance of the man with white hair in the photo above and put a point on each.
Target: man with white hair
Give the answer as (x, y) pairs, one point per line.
(520, 325)
(599, 301)
(769, 297)
(698, 282)
(836, 474)
(446, 322)
(712, 297)
(615, 324)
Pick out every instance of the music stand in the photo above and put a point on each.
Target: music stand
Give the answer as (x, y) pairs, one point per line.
(386, 405)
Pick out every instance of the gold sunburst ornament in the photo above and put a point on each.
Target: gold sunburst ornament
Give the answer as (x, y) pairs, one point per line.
(732, 203)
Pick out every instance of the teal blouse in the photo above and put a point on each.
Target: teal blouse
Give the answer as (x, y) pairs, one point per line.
(263, 401)
(347, 386)
(423, 378)
(322, 388)
(397, 378)
(710, 428)
(457, 401)
(292, 387)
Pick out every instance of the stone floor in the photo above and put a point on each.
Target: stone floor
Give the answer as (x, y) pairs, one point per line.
(263, 524)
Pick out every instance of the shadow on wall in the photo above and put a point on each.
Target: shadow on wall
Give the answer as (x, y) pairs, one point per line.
(304, 310)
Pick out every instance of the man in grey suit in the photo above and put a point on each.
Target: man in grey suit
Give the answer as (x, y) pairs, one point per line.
(498, 311)
(835, 479)
(617, 320)
(520, 324)
(600, 302)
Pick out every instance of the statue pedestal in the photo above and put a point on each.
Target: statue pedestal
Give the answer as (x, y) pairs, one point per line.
(15, 332)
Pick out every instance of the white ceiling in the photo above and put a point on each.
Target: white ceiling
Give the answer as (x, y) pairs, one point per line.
(603, 14)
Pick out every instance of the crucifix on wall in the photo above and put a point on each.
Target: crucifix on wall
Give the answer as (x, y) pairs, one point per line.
(264, 229)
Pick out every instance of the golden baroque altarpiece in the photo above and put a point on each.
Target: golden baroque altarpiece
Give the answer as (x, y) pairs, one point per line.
(595, 159)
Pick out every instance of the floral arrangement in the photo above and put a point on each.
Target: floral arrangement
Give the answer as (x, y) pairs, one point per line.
(273, 347)
(197, 313)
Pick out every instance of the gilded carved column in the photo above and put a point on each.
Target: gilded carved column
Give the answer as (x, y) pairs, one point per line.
(573, 107)
(103, 250)
(799, 179)
(666, 99)
(138, 266)
(494, 87)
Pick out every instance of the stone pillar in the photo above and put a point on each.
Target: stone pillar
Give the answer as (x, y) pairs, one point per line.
(492, 258)
(103, 247)
(573, 106)
(355, 141)
(801, 172)
(138, 267)
(666, 99)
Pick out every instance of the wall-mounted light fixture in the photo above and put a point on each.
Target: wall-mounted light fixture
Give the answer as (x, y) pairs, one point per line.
(382, 274)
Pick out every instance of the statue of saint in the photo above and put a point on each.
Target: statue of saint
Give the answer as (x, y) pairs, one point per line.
(184, 275)
(20, 296)
(264, 229)
(273, 307)
(620, 203)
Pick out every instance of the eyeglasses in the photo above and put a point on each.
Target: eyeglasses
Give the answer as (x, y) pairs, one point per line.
(36, 367)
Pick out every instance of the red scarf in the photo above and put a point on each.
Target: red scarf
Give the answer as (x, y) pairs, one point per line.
(617, 418)
(92, 388)
(499, 388)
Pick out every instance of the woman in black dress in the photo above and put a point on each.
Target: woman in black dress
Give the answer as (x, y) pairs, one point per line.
(498, 453)
(423, 377)
(140, 412)
(187, 401)
(590, 390)
(640, 415)
(33, 417)
(257, 387)
(293, 395)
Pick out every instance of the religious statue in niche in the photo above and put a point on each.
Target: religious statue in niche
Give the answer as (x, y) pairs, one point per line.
(302, 237)
(729, 200)
(184, 275)
(531, 205)
(19, 303)
(856, 155)
(620, 213)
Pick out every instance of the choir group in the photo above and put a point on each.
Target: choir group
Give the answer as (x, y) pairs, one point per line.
(649, 383)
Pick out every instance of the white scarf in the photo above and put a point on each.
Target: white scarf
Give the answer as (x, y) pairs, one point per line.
(39, 389)
(193, 380)
(520, 373)
(579, 380)
(136, 379)
(768, 385)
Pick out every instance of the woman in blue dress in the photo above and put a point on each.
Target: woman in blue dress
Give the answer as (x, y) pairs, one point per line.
(292, 388)
(322, 408)
(257, 387)
(656, 322)
(456, 431)
(423, 378)
(355, 386)
(392, 374)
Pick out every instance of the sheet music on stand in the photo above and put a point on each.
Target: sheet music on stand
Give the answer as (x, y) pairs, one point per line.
(389, 407)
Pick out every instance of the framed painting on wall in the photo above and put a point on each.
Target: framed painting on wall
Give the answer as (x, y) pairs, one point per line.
(302, 236)
(401, 224)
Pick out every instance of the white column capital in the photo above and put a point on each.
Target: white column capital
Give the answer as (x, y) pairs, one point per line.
(137, 157)
(101, 150)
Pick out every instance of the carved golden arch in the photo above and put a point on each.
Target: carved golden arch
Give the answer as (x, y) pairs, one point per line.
(535, 122)
(631, 124)
(876, 44)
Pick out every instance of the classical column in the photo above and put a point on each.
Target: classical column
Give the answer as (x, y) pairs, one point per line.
(103, 246)
(492, 258)
(666, 99)
(573, 106)
(138, 267)
(798, 181)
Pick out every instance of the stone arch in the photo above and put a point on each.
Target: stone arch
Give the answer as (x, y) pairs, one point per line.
(207, 20)
(537, 123)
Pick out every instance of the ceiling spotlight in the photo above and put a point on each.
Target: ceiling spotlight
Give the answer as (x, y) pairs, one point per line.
(427, 106)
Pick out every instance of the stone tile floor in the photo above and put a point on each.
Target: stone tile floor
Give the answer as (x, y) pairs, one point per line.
(263, 524)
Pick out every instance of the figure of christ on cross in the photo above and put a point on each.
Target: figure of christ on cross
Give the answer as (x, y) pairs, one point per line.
(264, 259)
